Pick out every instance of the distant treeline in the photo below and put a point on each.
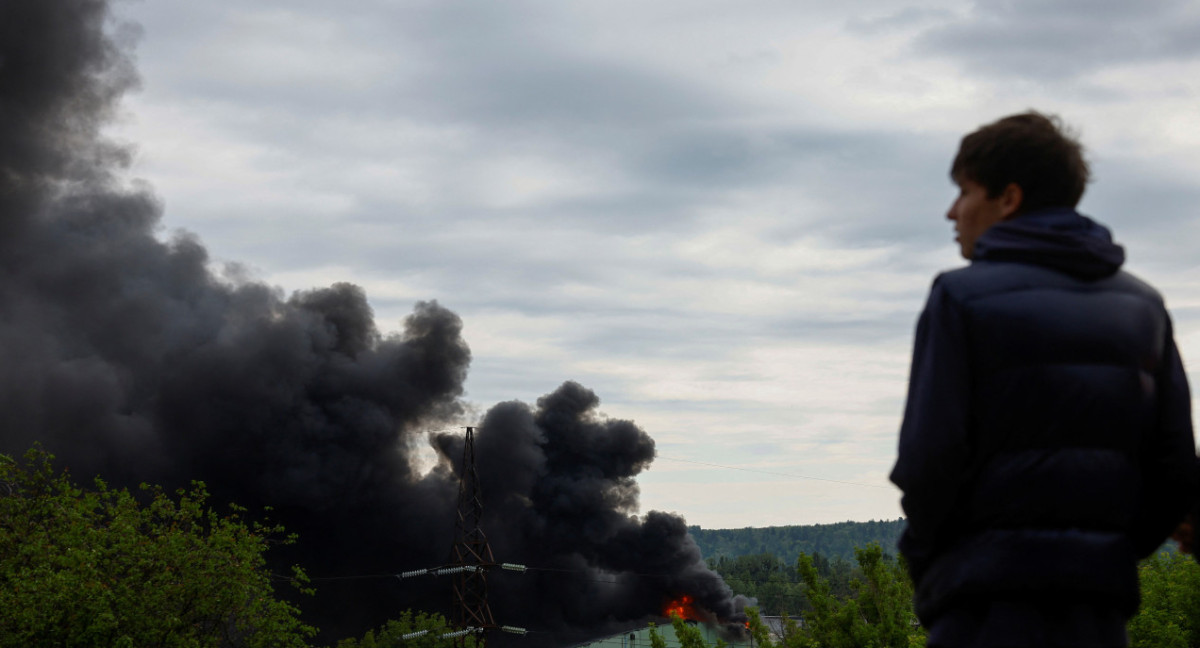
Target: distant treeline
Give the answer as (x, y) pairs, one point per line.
(833, 541)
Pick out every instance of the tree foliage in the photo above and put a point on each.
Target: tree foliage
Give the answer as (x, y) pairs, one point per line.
(878, 615)
(869, 603)
(688, 635)
(876, 612)
(770, 580)
(761, 635)
(1170, 613)
(393, 633)
(656, 640)
(776, 583)
(98, 567)
(835, 541)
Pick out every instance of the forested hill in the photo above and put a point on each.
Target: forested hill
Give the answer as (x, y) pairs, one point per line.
(829, 540)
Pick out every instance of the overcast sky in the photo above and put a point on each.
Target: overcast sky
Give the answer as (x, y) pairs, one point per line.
(722, 216)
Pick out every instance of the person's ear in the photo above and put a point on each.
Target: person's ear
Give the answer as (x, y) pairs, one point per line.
(1010, 200)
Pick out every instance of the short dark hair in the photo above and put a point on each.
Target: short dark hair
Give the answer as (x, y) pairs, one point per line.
(1035, 151)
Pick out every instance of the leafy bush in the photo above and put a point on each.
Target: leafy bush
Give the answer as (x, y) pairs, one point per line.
(1170, 613)
(393, 633)
(98, 567)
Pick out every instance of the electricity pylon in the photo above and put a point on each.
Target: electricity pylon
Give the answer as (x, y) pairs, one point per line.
(471, 551)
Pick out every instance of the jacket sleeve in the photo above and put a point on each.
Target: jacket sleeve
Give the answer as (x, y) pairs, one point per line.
(1168, 464)
(932, 466)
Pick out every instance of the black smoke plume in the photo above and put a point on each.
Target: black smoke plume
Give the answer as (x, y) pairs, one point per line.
(559, 493)
(128, 356)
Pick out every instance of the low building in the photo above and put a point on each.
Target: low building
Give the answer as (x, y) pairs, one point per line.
(640, 637)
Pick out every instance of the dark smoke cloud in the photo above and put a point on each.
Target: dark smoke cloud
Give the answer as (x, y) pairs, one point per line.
(129, 357)
(559, 492)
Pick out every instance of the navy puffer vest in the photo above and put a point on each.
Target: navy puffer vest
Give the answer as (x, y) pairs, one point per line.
(1049, 379)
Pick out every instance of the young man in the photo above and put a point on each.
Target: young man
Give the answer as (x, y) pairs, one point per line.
(1047, 441)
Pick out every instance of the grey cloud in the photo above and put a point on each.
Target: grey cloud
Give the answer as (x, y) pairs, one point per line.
(502, 66)
(510, 80)
(906, 17)
(892, 327)
(858, 190)
(1143, 197)
(874, 187)
(1054, 40)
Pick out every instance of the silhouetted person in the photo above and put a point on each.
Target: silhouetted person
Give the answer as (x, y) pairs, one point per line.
(1047, 437)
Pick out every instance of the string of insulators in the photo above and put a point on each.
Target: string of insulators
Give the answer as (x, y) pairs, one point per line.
(444, 571)
(441, 571)
(469, 630)
(451, 635)
(455, 570)
(410, 574)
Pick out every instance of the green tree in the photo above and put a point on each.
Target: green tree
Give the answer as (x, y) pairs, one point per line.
(834, 540)
(776, 584)
(96, 567)
(876, 612)
(830, 622)
(689, 636)
(770, 580)
(1169, 616)
(397, 633)
(879, 613)
(656, 640)
(759, 633)
(885, 597)
(793, 635)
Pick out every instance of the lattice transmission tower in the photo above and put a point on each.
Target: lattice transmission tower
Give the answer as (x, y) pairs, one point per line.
(471, 551)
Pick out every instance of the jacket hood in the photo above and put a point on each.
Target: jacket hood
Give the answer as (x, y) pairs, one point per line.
(1058, 238)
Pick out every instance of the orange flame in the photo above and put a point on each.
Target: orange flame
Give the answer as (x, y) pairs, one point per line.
(682, 607)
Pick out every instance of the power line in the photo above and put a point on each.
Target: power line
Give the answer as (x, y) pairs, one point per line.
(751, 470)
(506, 567)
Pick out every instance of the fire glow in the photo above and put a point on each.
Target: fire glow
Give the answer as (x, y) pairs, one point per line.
(683, 608)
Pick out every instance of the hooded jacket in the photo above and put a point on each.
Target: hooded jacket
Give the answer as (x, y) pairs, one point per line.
(1047, 441)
